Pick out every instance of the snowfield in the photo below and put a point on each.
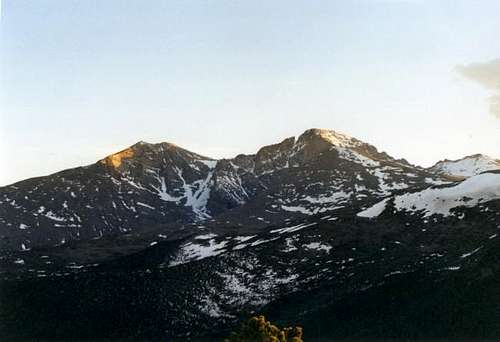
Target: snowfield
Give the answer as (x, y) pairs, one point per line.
(468, 166)
(375, 210)
(469, 193)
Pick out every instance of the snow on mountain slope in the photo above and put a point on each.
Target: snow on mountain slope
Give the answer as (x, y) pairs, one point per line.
(467, 166)
(469, 193)
(374, 210)
(148, 185)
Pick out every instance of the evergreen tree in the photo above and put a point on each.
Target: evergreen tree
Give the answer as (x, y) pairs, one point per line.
(257, 329)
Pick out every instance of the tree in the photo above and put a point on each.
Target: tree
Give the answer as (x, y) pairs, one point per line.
(257, 329)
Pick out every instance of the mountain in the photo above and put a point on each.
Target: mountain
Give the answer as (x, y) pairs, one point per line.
(467, 166)
(322, 231)
(149, 185)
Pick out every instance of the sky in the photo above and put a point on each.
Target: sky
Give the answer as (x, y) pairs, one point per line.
(79, 80)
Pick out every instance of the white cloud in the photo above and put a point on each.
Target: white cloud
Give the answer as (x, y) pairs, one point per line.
(488, 75)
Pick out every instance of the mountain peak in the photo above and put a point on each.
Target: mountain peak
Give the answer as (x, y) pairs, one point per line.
(331, 136)
(148, 154)
(140, 143)
(115, 159)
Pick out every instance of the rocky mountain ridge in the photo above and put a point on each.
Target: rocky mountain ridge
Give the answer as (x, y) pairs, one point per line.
(154, 184)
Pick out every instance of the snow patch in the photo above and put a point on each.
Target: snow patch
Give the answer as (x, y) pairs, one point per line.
(192, 251)
(145, 205)
(244, 238)
(54, 217)
(206, 236)
(375, 210)
(292, 228)
(318, 246)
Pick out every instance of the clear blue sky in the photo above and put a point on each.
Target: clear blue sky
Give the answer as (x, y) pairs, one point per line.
(82, 79)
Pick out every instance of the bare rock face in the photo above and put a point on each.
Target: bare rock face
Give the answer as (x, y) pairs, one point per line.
(273, 157)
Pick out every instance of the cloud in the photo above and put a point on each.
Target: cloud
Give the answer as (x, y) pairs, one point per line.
(488, 75)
